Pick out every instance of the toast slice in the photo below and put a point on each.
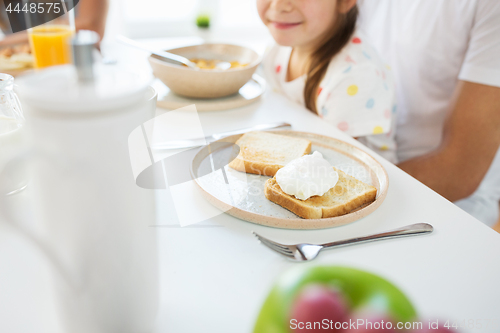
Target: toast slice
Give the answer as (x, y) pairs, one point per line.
(265, 153)
(347, 195)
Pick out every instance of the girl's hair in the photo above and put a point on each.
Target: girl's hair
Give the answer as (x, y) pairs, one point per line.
(318, 64)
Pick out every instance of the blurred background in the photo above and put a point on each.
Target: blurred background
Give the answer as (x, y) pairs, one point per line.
(229, 19)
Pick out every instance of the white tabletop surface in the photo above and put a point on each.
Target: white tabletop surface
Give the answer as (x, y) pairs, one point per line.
(215, 275)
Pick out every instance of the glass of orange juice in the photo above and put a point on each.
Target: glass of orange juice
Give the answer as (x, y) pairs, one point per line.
(50, 41)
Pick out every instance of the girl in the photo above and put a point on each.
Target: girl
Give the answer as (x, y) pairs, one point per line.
(322, 63)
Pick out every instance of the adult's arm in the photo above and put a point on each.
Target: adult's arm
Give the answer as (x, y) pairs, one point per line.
(17, 38)
(91, 16)
(471, 137)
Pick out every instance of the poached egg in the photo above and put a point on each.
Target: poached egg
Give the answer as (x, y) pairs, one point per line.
(307, 176)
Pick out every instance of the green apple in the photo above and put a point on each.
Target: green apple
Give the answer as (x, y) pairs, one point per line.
(361, 291)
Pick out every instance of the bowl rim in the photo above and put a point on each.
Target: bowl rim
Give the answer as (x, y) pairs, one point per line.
(253, 64)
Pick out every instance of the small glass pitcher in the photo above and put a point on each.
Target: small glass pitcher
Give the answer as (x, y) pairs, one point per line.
(12, 136)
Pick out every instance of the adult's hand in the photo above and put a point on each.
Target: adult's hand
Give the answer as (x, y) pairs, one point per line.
(471, 138)
(17, 38)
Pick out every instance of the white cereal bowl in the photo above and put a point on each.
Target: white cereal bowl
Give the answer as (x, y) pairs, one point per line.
(201, 83)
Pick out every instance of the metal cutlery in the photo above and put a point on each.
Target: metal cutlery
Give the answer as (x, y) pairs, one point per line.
(189, 143)
(305, 252)
(167, 56)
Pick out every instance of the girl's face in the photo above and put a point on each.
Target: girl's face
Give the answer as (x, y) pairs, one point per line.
(298, 22)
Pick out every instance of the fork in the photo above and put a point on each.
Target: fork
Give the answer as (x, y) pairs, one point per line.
(305, 251)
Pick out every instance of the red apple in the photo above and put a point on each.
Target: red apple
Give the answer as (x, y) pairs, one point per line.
(317, 308)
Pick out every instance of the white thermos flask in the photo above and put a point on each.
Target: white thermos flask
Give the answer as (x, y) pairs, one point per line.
(95, 219)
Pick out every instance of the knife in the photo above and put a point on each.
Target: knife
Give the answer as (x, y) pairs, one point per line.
(190, 143)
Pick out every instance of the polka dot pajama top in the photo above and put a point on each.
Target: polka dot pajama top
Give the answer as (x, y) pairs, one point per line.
(356, 95)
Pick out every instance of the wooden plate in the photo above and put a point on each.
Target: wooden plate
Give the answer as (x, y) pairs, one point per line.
(16, 72)
(247, 94)
(242, 195)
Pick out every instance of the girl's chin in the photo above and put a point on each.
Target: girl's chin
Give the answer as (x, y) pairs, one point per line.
(285, 39)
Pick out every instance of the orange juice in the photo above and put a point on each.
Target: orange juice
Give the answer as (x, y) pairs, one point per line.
(49, 45)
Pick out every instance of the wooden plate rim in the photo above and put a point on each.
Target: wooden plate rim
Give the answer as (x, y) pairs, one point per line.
(298, 223)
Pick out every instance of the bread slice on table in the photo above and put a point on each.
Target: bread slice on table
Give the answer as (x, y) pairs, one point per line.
(347, 195)
(265, 153)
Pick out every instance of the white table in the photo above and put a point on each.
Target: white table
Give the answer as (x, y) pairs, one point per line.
(215, 276)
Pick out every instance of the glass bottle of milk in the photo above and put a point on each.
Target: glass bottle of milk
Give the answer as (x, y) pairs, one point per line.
(12, 138)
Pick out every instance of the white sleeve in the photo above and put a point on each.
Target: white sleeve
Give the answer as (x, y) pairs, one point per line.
(358, 100)
(482, 60)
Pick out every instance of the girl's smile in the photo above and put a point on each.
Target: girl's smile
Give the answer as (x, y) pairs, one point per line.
(284, 25)
(298, 23)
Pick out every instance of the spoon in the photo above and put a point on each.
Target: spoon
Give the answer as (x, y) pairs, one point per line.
(167, 56)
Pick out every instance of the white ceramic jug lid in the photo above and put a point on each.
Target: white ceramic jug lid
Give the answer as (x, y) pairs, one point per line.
(57, 89)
